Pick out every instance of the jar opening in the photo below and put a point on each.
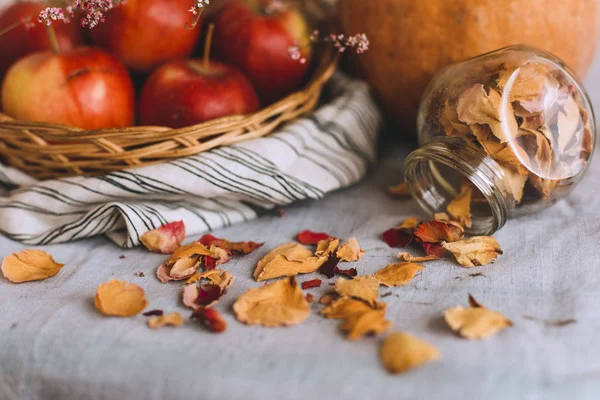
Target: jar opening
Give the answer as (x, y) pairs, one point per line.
(435, 172)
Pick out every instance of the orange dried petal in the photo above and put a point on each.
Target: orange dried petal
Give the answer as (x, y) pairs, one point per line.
(439, 231)
(277, 304)
(474, 252)
(401, 352)
(476, 321)
(119, 298)
(29, 265)
(400, 190)
(288, 260)
(398, 274)
(174, 319)
(362, 287)
(409, 258)
(460, 208)
(350, 251)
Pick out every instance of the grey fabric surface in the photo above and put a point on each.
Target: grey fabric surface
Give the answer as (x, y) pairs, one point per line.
(55, 345)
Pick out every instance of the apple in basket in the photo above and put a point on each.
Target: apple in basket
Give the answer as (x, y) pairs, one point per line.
(144, 34)
(188, 92)
(257, 40)
(84, 87)
(31, 36)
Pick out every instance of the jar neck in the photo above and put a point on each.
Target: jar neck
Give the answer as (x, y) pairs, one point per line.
(435, 172)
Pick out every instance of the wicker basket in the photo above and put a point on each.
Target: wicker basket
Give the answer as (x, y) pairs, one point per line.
(29, 146)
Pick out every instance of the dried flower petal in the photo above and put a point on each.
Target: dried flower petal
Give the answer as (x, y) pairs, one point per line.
(361, 319)
(398, 274)
(475, 106)
(350, 251)
(400, 190)
(153, 313)
(211, 319)
(352, 272)
(309, 237)
(183, 263)
(401, 352)
(439, 231)
(120, 298)
(460, 207)
(328, 268)
(451, 123)
(402, 235)
(231, 247)
(277, 304)
(29, 265)
(311, 284)
(217, 277)
(327, 247)
(165, 239)
(218, 256)
(288, 260)
(328, 298)
(516, 182)
(441, 216)
(432, 249)
(409, 258)
(364, 288)
(476, 251)
(344, 307)
(475, 322)
(173, 319)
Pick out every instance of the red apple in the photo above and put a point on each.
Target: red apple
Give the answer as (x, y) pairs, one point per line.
(146, 33)
(84, 87)
(258, 43)
(32, 37)
(189, 92)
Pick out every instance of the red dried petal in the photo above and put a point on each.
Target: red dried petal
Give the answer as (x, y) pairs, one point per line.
(431, 249)
(211, 319)
(309, 298)
(122, 257)
(208, 294)
(352, 272)
(398, 237)
(210, 263)
(311, 284)
(328, 268)
(309, 237)
(153, 313)
(230, 247)
(165, 239)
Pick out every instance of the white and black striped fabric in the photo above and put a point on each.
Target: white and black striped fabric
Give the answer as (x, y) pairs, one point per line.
(325, 151)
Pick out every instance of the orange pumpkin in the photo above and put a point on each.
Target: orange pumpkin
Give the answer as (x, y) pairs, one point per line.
(412, 39)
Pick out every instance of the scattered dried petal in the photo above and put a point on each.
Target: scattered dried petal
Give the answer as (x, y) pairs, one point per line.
(277, 304)
(217, 277)
(352, 272)
(400, 190)
(402, 235)
(328, 268)
(398, 274)
(173, 319)
(439, 231)
(401, 352)
(328, 298)
(409, 258)
(432, 249)
(211, 319)
(231, 247)
(327, 247)
(441, 216)
(365, 288)
(153, 313)
(460, 207)
(120, 298)
(309, 237)
(165, 239)
(183, 263)
(288, 260)
(29, 265)
(372, 322)
(311, 284)
(476, 321)
(309, 298)
(476, 251)
(350, 251)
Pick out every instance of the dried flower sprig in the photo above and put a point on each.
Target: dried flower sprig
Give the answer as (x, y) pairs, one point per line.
(359, 42)
(197, 10)
(93, 11)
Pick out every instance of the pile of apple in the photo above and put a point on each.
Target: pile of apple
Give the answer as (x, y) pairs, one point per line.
(87, 81)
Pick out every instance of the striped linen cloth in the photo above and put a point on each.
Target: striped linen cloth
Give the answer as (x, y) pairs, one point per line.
(327, 150)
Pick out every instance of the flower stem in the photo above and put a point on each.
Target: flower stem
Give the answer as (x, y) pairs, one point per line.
(52, 38)
(207, 46)
(23, 21)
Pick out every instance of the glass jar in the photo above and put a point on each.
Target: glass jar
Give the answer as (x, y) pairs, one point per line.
(514, 125)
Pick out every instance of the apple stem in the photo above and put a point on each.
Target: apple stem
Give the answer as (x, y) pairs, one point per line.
(52, 38)
(207, 45)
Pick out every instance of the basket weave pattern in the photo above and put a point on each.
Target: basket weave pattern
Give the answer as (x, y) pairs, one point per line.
(47, 151)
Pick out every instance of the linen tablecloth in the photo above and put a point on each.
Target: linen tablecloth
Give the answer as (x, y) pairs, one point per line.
(55, 345)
